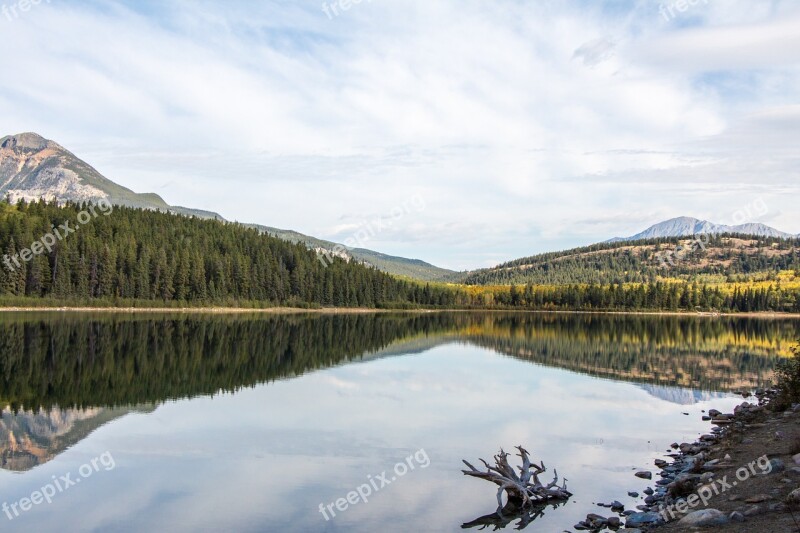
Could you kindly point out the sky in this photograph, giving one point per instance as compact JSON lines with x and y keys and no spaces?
{"x":478,"y":131}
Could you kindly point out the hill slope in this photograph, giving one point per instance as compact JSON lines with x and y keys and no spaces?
{"x":729,"y":256}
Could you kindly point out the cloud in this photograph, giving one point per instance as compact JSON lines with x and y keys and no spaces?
{"x":274,"y":113}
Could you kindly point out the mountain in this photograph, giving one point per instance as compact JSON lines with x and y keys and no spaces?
{"x":688,"y":226}
{"x":32,"y":167}
{"x":672,"y":248}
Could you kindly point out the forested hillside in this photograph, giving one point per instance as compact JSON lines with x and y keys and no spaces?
{"x":132,"y":256}
{"x":154,"y":256}
{"x":727,"y":257}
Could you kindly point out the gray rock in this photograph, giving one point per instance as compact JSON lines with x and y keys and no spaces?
{"x":793,"y":498}
{"x":704,"y":518}
{"x":643,"y":519}
{"x":633,"y":494}
{"x":758,"y":498}
{"x":644,"y":474}
{"x":736,"y":516}
{"x":754,"y":511}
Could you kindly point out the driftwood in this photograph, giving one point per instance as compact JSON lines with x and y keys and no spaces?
{"x":523,"y":490}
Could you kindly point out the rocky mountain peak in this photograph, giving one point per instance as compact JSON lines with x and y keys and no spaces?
{"x":26,"y":142}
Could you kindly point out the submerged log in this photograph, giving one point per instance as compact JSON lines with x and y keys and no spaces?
{"x":523,"y":490}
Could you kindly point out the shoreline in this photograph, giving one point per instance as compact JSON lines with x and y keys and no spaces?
{"x":736,"y":479}
{"x":210,"y":310}
{"x":366,"y":310}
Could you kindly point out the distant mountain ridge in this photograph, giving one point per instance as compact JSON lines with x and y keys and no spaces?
{"x":688,"y":226}
{"x":32,"y":167}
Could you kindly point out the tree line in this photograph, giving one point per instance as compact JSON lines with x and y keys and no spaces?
{"x":658,"y":295}
{"x":146,"y":257}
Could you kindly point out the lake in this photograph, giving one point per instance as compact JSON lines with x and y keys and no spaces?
{"x":173,"y":423}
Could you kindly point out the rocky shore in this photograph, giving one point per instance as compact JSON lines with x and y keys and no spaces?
{"x":743,"y":476}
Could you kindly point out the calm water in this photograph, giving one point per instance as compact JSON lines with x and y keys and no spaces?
{"x":249,"y":423}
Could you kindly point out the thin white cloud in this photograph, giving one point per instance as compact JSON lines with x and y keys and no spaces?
{"x":517,"y":121}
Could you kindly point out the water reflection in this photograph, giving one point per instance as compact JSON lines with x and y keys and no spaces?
{"x":81,"y":371}
{"x":227,"y":427}
{"x":520,"y":519}
{"x":111,"y":360}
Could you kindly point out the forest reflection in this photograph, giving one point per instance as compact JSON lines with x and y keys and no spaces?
{"x":63,"y":376}
{"x":114,"y":360}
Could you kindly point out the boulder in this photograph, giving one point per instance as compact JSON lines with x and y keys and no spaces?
{"x":704,"y":518}
{"x":643,"y":519}
{"x":793,"y":499}
{"x":644,"y":474}
{"x":755,"y":510}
